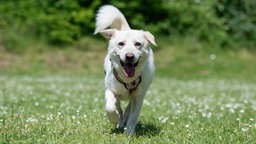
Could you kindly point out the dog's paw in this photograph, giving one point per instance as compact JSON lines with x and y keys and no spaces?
{"x":120,"y":125}
{"x":129,"y":131}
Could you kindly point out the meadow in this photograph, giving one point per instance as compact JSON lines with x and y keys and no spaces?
{"x":200,"y":94}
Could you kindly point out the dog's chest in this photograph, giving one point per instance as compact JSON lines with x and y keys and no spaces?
{"x":128,"y":95}
{"x":123,"y":93}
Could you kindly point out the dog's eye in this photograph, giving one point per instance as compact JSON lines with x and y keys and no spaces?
{"x":121,"y":43}
{"x":137,"y":44}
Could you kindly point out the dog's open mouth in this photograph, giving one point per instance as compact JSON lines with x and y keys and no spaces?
{"x":129,"y":68}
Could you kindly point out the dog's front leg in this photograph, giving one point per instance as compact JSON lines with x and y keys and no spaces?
{"x":127,"y":113}
{"x":135,"y":108}
{"x":113,"y":109}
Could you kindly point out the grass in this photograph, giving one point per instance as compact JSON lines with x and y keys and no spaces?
{"x":182,"y":58}
{"x":201,"y":94}
{"x":62,"y":109}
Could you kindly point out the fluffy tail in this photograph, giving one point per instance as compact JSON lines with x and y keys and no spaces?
{"x":110,"y":16}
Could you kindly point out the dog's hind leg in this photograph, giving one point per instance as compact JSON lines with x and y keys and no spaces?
{"x":113,"y":109}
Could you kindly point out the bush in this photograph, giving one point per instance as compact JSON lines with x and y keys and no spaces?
{"x":239,"y":19}
{"x":191,"y":17}
{"x":57,"y":21}
{"x":64,"y":21}
{"x":12,"y":42}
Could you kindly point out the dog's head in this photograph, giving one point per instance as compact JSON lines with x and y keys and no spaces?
{"x":128,"y":49}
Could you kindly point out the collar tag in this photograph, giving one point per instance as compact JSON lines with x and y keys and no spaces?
{"x":133,"y":84}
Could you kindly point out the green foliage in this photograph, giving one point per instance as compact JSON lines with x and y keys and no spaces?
{"x":65,"y":21}
{"x":12,"y":42}
{"x":208,"y":20}
{"x":195,"y":18}
{"x":240,"y":19}
{"x":56,"y":21}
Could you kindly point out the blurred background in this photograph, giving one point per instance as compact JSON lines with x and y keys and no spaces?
{"x":196,"y":38}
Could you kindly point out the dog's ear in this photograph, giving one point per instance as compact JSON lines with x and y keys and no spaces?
{"x":150,"y":37}
{"x":108,"y":33}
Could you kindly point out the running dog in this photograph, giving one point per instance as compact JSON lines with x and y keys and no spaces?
{"x":129,"y":67}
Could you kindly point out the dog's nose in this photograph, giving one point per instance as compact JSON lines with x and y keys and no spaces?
{"x":129,"y":56}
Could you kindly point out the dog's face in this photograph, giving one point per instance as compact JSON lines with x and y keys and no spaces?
{"x":128,"y":49}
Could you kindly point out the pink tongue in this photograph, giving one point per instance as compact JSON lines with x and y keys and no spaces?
{"x":128,"y":70}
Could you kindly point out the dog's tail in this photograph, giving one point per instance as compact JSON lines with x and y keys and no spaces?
{"x":110,"y":16}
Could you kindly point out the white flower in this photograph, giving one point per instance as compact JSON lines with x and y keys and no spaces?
{"x":36,"y":103}
{"x":245,"y":129}
{"x":164,"y":120}
{"x":50,"y":117}
{"x":231,"y":110}
{"x":32,"y":120}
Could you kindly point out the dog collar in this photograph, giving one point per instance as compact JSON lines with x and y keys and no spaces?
{"x":130,"y":86}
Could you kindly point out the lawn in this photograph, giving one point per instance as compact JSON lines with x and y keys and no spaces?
{"x":199,"y":95}
{"x":62,"y":109}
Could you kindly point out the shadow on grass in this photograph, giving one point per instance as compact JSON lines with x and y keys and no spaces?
{"x":148,"y":129}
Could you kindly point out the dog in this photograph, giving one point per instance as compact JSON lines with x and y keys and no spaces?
{"x":129,"y":67}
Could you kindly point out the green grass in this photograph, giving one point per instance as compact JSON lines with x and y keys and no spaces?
{"x":182,"y":58}
{"x":70,"y":109}
{"x":201,"y":94}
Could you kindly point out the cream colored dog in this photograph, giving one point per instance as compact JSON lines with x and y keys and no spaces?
{"x":129,"y":66}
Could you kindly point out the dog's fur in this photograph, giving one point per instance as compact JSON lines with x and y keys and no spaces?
{"x":129,"y":66}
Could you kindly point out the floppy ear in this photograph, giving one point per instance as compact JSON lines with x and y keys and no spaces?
{"x":108,"y":33}
{"x":150,"y":37}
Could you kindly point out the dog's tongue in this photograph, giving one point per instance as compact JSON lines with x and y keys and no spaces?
{"x":129,"y":69}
